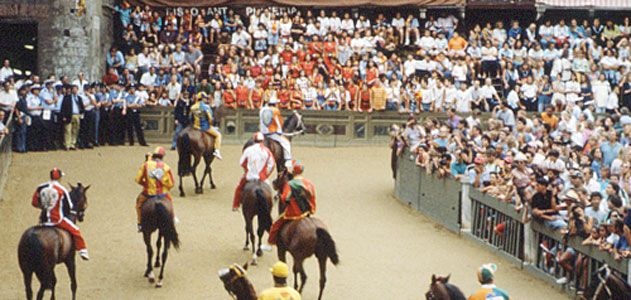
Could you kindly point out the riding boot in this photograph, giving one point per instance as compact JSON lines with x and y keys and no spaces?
{"x":140,"y":200}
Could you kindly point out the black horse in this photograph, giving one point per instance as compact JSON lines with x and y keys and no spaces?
{"x":607,"y":285}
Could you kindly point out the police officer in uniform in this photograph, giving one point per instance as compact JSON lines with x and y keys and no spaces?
{"x":105,"y":107}
{"x":134,"y":104}
{"x":86,"y":132}
{"x":35,"y":124}
{"x":49,"y":103}
{"x":57,"y":125}
{"x":118,"y":97}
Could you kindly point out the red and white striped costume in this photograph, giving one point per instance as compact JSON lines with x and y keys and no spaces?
{"x":258,"y":163}
{"x":54,"y":201}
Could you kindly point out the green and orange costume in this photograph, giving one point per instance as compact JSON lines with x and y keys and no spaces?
{"x":299,"y":197}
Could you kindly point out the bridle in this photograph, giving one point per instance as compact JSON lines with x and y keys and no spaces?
{"x":299,"y":124}
{"x":430,"y":295}
{"x":603,"y":281}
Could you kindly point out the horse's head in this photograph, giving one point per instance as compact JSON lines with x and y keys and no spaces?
{"x":437,"y":289}
{"x":79,"y":200}
{"x":294,"y":124}
{"x":235,"y":281}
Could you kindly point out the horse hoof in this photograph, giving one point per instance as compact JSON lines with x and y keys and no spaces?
{"x":212,"y":187}
{"x":159,"y":284}
{"x":246,"y":248}
{"x":182,"y":195}
{"x":259,"y":253}
{"x":254,"y":263}
{"x":199,"y":191}
{"x":157,"y":265}
{"x":150,"y":277}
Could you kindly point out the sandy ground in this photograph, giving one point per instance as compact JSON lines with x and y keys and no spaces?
{"x":385,"y":248}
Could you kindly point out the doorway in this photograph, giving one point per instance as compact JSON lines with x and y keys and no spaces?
{"x":19,"y":46}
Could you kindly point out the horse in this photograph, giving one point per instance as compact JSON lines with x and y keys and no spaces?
{"x":43,"y":247}
{"x":304,"y":238}
{"x":441,"y":289}
{"x":292,"y":126}
{"x":236,"y":283}
{"x":607,"y":286}
{"x":256,"y":199}
{"x":194,"y":143}
{"x":157,"y":214}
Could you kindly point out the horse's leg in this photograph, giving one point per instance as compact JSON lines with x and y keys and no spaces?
{"x":322,"y":264}
{"x":282,"y":252}
{"x":201,"y":183}
{"x":43,"y":275}
{"x":248,"y":228}
{"x":198,"y":190}
{"x":149,"y":271}
{"x":70,"y":265}
{"x":260,"y":233}
{"x":28,"y":278}
{"x":210,"y":174}
{"x":158,"y":245}
{"x":181,"y":188}
{"x":53,"y":282}
{"x":165,"y":253}
{"x":298,"y":269}
{"x":42,"y":288}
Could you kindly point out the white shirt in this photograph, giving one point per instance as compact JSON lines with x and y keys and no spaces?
{"x":529,"y":90}
{"x":144,"y":60}
{"x":463,"y":101}
{"x":258,"y":161}
{"x":487,"y":91}
{"x":348,"y":25}
{"x":8,"y":98}
{"x":5,"y":73}
{"x":147,"y":79}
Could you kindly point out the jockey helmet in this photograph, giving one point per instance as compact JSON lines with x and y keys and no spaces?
{"x":202,"y":95}
{"x":258,"y":137}
{"x":56,"y":174}
{"x":159,"y":151}
{"x":296,"y":167}
{"x":280,"y":269}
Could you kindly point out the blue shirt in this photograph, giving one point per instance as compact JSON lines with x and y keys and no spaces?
{"x":610,"y":152}
{"x":46,"y":95}
{"x":114,"y":94}
{"x":75,"y":103}
{"x":458,"y":168}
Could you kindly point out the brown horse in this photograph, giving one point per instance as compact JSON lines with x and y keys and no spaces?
{"x":236,"y":283}
{"x":157,"y":214}
{"x":256,"y":199}
{"x":43,"y":247}
{"x":607,"y":285}
{"x":441,"y":289}
{"x":304,"y":238}
{"x":292,"y":126}
{"x":196,"y":144}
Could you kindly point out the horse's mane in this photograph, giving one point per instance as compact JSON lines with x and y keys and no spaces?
{"x":454,"y":292}
{"x":290,"y":121}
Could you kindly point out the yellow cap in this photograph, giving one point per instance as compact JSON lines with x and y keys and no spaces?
{"x":280,"y":269}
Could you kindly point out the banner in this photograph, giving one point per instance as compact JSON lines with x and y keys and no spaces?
{"x":317,"y":3}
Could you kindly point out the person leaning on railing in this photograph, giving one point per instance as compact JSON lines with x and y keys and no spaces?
{"x":544,"y":207}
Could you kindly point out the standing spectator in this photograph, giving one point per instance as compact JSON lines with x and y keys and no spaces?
{"x":117,"y":122}
{"x":377,"y":97}
{"x":8,"y":98}
{"x":181,"y":112}
{"x":71,"y":111}
{"x":134,"y":103}
{"x":6,"y":71}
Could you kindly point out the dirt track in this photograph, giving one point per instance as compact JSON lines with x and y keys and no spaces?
{"x":385,"y":248}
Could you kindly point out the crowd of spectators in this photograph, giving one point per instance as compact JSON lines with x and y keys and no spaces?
{"x":322,"y":59}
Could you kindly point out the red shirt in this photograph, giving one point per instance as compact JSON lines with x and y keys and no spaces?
{"x":256,"y":70}
{"x":308,"y":67}
{"x":315,"y":48}
{"x":242,"y":95}
{"x":53,"y":195}
{"x":287,"y":55}
{"x":283,"y":96}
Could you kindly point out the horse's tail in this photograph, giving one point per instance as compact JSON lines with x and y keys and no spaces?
{"x":263,"y":211}
{"x":166,"y":225}
{"x":326,"y":244}
{"x":30,"y":251}
{"x":184,"y":151}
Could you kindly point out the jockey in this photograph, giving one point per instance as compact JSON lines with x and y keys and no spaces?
{"x":156,"y":179}
{"x":299,"y":197}
{"x":54,"y":201}
{"x":203,"y":120}
{"x":258,"y":163}
{"x":271,"y":125}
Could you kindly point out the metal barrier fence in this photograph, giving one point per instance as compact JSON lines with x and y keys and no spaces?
{"x":5,"y":155}
{"x":438,"y":198}
{"x":324,"y":128}
{"x":580,"y":271}
{"x":498,"y":226}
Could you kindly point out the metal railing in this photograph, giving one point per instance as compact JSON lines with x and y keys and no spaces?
{"x":6,"y":142}
{"x":497,"y":224}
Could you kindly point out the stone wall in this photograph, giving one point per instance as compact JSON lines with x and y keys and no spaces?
{"x":67,"y":43}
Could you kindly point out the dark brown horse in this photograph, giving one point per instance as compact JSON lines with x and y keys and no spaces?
{"x":256,"y":199}
{"x":157,"y":214}
{"x":304,"y":238}
{"x":607,"y":285}
{"x":292,"y":126}
{"x":441,"y":289}
{"x":195,"y":144}
{"x":43,"y":247}
{"x":236,"y":282}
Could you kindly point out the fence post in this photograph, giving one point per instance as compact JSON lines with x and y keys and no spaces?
{"x":530,"y":244}
{"x":465,"y":211}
